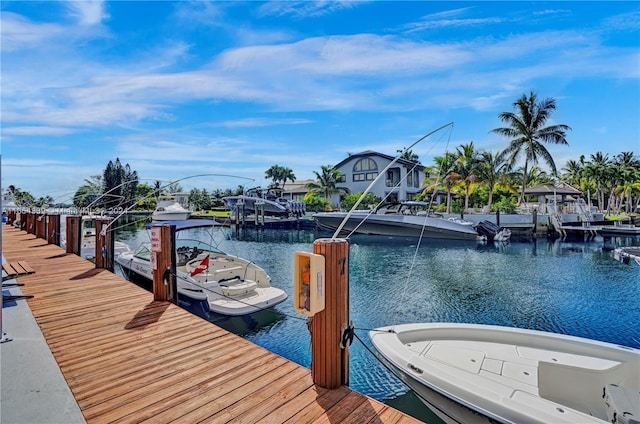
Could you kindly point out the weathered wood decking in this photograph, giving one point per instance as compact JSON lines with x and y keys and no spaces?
{"x":129,"y":359}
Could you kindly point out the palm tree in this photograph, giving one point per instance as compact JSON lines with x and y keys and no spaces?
{"x":286,"y":175}
{"x":442,"y":174}
{"x":573,"y":171}
{"x":527,"y":133}
{"x":326,"y":182}
{"x":273,"y":173}
{"x":596,"y":169}
{"x":466,"y":166}
{"x":408,"y":155}
{"x":492,"y":168}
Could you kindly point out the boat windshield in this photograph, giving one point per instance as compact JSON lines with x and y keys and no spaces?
{"x":186,"y":250}
{"x":143,"y":251}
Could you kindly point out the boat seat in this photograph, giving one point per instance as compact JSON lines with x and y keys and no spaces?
{"x":577,"y":387}
{"x":546,"y":410}
{"x":220,"y":274}
{"x":237,"y":287}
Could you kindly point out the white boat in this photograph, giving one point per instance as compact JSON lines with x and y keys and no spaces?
{"x":469,"y":373}
{"x":229,"y":284}
{"x":169,"y":209}
{"x":269,"y":201}
{"x":627,"y":254}
{"x":404,"y":219}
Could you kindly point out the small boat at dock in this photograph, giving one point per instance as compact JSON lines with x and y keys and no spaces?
{"x":169,"y":209}
{"x":230,"y":285}
{"x":481,"y":373}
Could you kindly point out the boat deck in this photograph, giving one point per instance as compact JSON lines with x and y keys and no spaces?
{"x":128,"y":358}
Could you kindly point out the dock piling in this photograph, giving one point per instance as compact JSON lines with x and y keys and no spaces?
{"x":163,"y":262}
{"x":329,"y":361}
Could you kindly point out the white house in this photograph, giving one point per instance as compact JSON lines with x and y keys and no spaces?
{"x":402,"y":180}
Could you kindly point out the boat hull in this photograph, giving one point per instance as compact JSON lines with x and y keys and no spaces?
{"x":471,"y":372}
{"x":396,"y":225}
{"x":170,"y":216}
{"x":252,"y":204}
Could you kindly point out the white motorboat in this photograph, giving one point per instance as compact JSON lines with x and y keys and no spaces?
{"x":169,"y":209}
{"x":269,"y":202}
{"x":229,"y":284}
{"x":481,"y":373}
{"x":626,"y":254}
{"x":404,"y":219}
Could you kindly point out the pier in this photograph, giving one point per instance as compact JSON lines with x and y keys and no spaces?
{"x":128,"y":358}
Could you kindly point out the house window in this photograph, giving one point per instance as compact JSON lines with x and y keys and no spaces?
{"x":365,"y":165}
{"x":365,"y":170}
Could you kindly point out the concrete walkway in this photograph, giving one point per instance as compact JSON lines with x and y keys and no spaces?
{"x":33,"y":388}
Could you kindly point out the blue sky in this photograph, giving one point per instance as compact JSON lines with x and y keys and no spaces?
{"x":178,"y":89}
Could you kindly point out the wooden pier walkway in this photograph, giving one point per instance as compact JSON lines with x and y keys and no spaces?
{"x":129,"y":359}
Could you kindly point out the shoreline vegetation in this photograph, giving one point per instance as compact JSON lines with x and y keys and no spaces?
{"x":473,"y":179}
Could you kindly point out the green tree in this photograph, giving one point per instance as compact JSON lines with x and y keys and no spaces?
{"x":528,"y":133}
{"x":119,"y":184}
{"x":367,"y":201}
{"x":408,"y":155}
{"x":491,"y":170}
{"x":598,"y":170}
{"x":442,"y":174}
{"x":313,"y":203}
{"x":466,"y":166}
{"x":280,"y":174}
{"x":326,"y":182}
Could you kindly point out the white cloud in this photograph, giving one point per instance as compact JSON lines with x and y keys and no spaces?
{"x":87,"y":13}
{"x":303,"y":9}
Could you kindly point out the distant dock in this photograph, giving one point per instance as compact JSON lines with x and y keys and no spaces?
{"x":128,"y":358}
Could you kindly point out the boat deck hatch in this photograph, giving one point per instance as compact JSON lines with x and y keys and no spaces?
{"x":465,"y":359}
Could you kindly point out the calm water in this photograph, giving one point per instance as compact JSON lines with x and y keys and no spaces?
{"x":559,"y":286}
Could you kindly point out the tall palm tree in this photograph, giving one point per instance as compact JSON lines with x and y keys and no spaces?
{"x":442,"y":174}
{"x":326,"y":182}
{"x":466,"y":166}
{"x":286,"y":174}
{"x":572,"y":172}
{"x":527,"y":132}
{"x":596,"y":170}
{"x":491,"y":169}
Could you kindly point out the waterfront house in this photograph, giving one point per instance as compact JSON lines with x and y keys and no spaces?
{"x":402,"y":181}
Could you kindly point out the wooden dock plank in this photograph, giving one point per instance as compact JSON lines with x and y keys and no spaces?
{"x":127,"y":358}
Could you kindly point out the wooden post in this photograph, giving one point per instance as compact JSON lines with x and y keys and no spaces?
{"x":498,"y":217}
{"x":11,"y":217}
{"x":73,"y":234}
{"x":105,"y":244}
{"x":329,"y":362}
{"x":31,"y":227}
{"x":164,"y":269}
{"x":53,"y":229}
{"x":41,"y":231}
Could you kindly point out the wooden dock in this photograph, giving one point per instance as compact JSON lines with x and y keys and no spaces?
{"x":129,"y":359}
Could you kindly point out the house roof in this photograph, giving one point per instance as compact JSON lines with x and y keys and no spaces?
{"x":369,"y":153}
{"x":546,"y":189}
{"x":297,"y":186}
